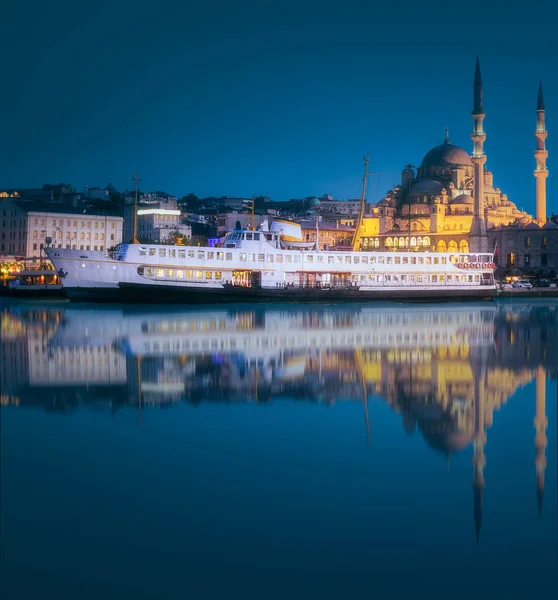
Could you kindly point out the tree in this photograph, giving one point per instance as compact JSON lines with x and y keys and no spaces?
{"x":190,"y":201}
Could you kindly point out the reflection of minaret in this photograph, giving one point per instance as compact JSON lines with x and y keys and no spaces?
{"x":541,"y":154}
{"x":477,"y":238}
{"x":479,"y":441}
{"x":541,"y":423}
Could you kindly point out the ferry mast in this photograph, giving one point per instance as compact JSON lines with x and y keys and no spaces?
{"x":356,"y":236}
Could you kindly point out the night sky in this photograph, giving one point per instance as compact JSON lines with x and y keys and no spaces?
{"x":277,"y":98}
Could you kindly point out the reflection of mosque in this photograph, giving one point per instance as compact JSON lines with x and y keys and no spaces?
{"x":445,"y":371}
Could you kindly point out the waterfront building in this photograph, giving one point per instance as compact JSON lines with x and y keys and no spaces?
{"x":25,"y":227}
{"x":450,"y":203}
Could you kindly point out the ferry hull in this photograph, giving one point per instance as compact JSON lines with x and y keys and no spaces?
{"x":167,"y":294}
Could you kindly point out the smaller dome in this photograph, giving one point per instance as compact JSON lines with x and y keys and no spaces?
{"x":313,"y":201}
{"x":532,"y":226}
{"x":463,"y":199}
{"x":550,"y":225}
{"x":427,"y":186}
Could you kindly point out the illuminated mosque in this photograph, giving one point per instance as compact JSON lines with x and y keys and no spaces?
{"x":450,"y":203}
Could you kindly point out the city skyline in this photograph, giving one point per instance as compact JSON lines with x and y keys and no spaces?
{"x":265,"y":102}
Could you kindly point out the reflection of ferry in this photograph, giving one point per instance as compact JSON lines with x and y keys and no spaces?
{"x":264,"y":265}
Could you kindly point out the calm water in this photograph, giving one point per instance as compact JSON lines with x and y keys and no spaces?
{"x":280,"y":451}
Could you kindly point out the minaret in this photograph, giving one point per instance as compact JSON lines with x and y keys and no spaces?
{"x":541,"y":423}
{"x":541,"y":154}
{"x":478,"y":242}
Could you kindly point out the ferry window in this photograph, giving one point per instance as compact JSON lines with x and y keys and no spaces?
{"x":199,"y":274}
{"x":279,"y":258}
{"x":397,"y":260}
{"x":443,"y":260}
{"x":365,"y":260}
{"x":338,"y":259}
{"x":372,"y":278}
{"x":348,"y":259}
{"x":420,"y":260}
{"x":208,"y":275}
{"x":309,"y":258}
{"x":191,"y":254}
{"x":248,"y":236}
{"x":418,"y":278}
{"x":296,"y":258}
{"x":403,"y":278}
{"x":160,"y":272}
{"x":270,"y":258}
{"x":441,"y":278}
{"x":330,"y":260}
{"x":162,"y":252}
{"x":252,"y":257}
{"x":428,"y":260}
{"x":242,"y":256}
{"x":470,"y":278}
{"x":151,"y":251}
{"x":201,"y":254}
{"x":434,"y":278}
{"x":150,"y":272}
{"x":388,"y":260}
{"x":321,"y":258}
{"x":289,"y":258}
{"x":436,"y":260}
{"x":229,"y":255}
{"x":220,"y":255}
{"x":170,"y":272}
{"x":477,"y":278}
{"x":413,"y":260}
{"x":182,"y":254}
{"x":380,"y":260}
{"x":405,"y":260}
{"x":218,"y":275}
{"x":172,"y":252}
{"x":261,"y":257}
{"x":211,"y":255}
{"x":388,"y":278}
{"x":463,"y":278}
{"x":140,"y":270}
{"x":189,"y":274}
{"x":257,"y":237}
{"x":379,"y":278}
{"x":180,"y":274}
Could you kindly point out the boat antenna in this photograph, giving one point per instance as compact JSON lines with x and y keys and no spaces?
{"x":136,"y":179}
{"x":253,"y":207}
{"x":356,"y":236}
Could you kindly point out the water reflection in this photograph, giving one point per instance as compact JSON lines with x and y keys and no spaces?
{"x":446,"y":370}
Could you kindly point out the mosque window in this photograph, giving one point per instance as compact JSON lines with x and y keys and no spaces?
{"x":527,"y":260}
{"x":543,"y":242}
{"x":511,"y":259}
{"x":527,"y":242}
{"x":389,"y":242}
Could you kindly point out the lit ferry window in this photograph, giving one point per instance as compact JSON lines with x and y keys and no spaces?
{"x":443,"y":260}
{"x":180,"y":274}
{"x":419,"y":279}
{"x":405,"y":260}
{"x":162,"y":252}
{"x":217,"y":274}
{"x":190,"y":254}
{"x":434,"y":278}
{"x":261,"y":257}
{"x":142,"y":251}
{"x":279,"y":258}
{"x":160,"y":272}
{"x":150,"y":272}
{"x":220,"y":255}
{"x":309,"y":258}
{"x":182,"y":254}
{"x":170,"y":272}
{"x":413,"y":260}
{"x":388,"y":260}
{"x":201,"y":255}
{"x":365,"y":260}
{"x":242,"y":256}
{"x":208,"y":275}
{"x":397,"y":260}
{"x":252,"y":257}
{"x":172,"y":252}
{"x":211,"y":255}
{"x":199,"y":274}
{"x":436,"y":260}
{"x":189,"y":274}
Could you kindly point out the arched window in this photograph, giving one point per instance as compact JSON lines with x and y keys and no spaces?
{"x":543,"y":242}
{"x":452,"y":246}
{"x":441,"y":247}
{"x":376,"y":242}
{"x":402,"y":242}
{"x":527,"y":242}
{"x":426,"y":241}
{"x":419,"y":241}
{"x":463,"y":246}
{"x":389,"y":242}
{"x":413,"y":242}
{"x":511,"y":259}
{"x":396,"y":242}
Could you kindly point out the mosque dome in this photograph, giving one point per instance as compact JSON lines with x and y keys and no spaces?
{"x":447,"y":441}
{"x":532,"y":226}
{"x":463,"y":199}
{"x":550,"y":225}
{"x":446,"y":155}
{"x":427,"y":186}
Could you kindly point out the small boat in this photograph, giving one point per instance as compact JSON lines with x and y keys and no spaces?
{"x":34,"y":284}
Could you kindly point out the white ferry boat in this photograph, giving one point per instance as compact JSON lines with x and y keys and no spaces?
{"x":269,"y":265}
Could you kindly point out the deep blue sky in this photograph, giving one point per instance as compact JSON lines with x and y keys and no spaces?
{"x":282,"y":98}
